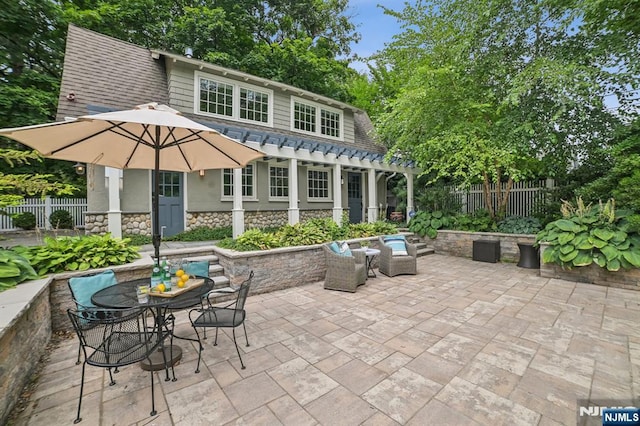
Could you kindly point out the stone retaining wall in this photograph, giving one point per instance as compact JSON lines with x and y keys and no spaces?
{"x":460,"y":243}
{"x":592,"y":274}
{"x":25,"y":330}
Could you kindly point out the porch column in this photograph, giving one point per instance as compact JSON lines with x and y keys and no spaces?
{"x":409,"y":177}
{"x":114,"y":214}
{"x":372,"y":209}
{"x":237,"y":214}
{"x":294,"y":210}
{"x":337,"y":194}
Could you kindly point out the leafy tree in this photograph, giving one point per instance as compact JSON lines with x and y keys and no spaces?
{"x":13,"y":187}
{"x":494,"y":91}
{"x":291,"y":41}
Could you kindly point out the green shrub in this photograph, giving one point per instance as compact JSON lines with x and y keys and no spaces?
{"x":137,"y":239}
{"x":78,"y":253}
{"x":478,"y":221}
{"x":61,"y":219}
{"x":314,"y":231}
{"x":202,"y":233}
{"x":586,"y":235}
{"x":24,"y":220}
{"x":14,"y":269}
{"x":519,"y":225}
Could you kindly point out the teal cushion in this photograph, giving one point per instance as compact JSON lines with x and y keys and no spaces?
{"x":344,"y":249}
{"x":398,"y":247}
{"x":334,"y":247}
{"x":199,"y":268}
{"x":340,"y":247}
{"x":394,"y":237}
{"x":85,"y":287}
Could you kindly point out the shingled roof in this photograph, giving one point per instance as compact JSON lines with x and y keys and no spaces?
{"x":101,"y":70}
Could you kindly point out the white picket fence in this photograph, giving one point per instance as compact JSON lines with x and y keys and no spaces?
{"x":522,"y":198}
{"x":42,"y":209}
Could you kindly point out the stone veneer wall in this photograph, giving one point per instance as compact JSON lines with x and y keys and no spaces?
{"x":592,"y":274}
{"x":460,"y":243}
{"x":25,"y":330}
{"x":140,"y":223}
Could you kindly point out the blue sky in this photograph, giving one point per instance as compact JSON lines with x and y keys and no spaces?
{"x":376,"y":27}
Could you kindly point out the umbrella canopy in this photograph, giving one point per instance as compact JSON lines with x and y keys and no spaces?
{"x":130,"y":140}
{"x":150,"y":136}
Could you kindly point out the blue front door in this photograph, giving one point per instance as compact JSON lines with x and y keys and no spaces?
{"x":354,"y":196}
{"x":171,"y":204}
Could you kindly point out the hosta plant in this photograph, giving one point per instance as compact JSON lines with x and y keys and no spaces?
{"x":14,"y":269}
{"x":588,"y":234}
{"x":428,"y":223}
{"x":78,"y":253}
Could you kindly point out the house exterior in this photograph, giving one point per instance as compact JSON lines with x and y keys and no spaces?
{"x":320,"y":158}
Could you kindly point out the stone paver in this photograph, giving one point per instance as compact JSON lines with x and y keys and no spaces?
{"x":460,"y":343}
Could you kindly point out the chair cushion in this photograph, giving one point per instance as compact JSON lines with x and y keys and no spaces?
{"x":341,"y":248}
{"x":85,"y":287}
{"x":198,"y":268}
{"x":397,"y":243}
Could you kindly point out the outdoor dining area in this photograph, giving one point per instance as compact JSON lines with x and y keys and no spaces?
{"x":458,"y":342}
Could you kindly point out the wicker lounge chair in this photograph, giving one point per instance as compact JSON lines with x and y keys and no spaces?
{"x":391,"y":265}
{"x":344,"y":273}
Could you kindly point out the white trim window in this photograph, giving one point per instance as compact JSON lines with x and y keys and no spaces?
{"x":278,"y":183}
{"x":316,"y":119}
{"x":248,"y":183}
{"x":221,"y":97}
{"x":319,"y":188}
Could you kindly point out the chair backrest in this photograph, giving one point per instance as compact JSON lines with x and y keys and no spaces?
{"x":82,"y":288}
{"x":243,"y":292}
{"x":116,"y":337}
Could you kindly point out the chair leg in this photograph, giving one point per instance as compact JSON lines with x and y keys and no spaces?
{"x":78,"y":418}
{"x":153,"y":399}
{"x":237,"y":348}
{"x":79,"y":350}
{"x":215,"y":342}
{"x":112,"y":382}
{"x":245,"y":333}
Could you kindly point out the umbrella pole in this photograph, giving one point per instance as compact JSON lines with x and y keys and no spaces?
{"x":155,"y":208}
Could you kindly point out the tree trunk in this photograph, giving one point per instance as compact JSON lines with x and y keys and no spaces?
{"x":486,"y":189}
{"x":504,"y":200}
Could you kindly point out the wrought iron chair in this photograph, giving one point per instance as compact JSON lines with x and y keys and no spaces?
{"x":82,"y":288}
{"x":114,"y":338}
{"x":227,"y":316}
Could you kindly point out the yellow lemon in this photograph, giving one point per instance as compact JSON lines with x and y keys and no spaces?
{"x":161,"y":288}
{"x":181,"y":283}
{"x":179,"y":273}
{"x":184,"y":278}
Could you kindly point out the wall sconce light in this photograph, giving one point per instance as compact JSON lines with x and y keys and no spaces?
{"x":79,"y":168}
{"x":201,"y":173}
{"x":341,"y":181}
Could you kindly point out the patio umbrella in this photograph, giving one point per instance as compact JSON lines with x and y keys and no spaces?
{"x":150,"y":136}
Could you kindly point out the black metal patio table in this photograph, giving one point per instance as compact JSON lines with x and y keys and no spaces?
{"x":123,"y":295}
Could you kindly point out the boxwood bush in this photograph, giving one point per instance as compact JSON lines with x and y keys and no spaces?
{"x":24,"y":220}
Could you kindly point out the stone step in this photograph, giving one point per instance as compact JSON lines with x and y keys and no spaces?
{"x":425,"y":251}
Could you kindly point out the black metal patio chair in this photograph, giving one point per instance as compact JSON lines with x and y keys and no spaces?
{"x":112,"y":338}
{"x":227,"y":316}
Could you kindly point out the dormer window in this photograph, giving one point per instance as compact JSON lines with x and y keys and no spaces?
{"x":220,"y":97}
{"x":316,"y":119}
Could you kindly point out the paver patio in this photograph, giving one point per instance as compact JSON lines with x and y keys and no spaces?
{"x":461,"y":343}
